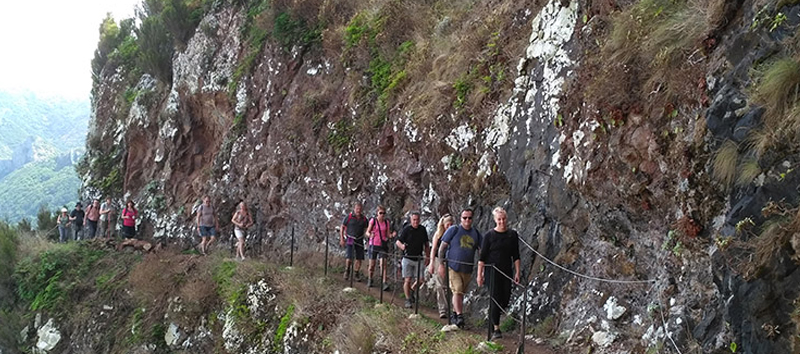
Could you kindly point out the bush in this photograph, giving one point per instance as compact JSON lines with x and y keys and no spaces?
{"x":46,"y":223}
{"x":155,"y":48}
{"x":8,"y":257}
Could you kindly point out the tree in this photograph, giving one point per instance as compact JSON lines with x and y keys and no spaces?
{"x":46,"y":223}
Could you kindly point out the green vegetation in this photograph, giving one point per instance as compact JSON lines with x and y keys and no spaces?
{"x":776,"y":88}
{"x":37,"y":185}
{"x":339,"y":137}
{"x":282,"y":327}
{"x":725,"y":162}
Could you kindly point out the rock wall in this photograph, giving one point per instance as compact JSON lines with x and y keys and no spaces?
{"x":634,"y":203}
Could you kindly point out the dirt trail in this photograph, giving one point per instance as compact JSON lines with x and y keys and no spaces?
{"x":395,"y":297}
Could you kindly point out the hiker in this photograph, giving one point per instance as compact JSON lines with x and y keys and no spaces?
{"x":413,"y":239}
{"x":91,"y":218}
{"x":207,"y":224}
{"x":353,"y":225}
{"x":107,"y":218}
{"x":500,"y":248}
{"x":242,"y":221}
{"x":458,"y":245}
{"x":76,"y":218}
{"x":63,"y":225}
{"x":379,"y":232}
{"x":441,"y":296}
{"x":129,"y":214}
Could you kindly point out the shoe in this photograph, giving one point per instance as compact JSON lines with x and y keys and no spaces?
{"x":497,"y":334}
{"x":443,"y":315}
{"x":346,"y":275}
{"x":386,"y":287}
{"x":453,"y":318}
{"x":407,"y":304}
{"x":460,"y":321}
{"x":359,"y":276}
{"x":369,"y":283}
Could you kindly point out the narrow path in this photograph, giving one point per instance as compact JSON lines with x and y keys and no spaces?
{"x":395,"y":297}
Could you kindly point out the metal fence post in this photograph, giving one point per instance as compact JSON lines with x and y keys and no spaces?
{"x":382,"y":264}
{"x":524,"y":312}
{"x":490,"y":322}
{"x":326,"y":253}
{"x":419,"y":284}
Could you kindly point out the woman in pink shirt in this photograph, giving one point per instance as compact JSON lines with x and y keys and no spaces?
{"x":378,"y":231}
{"x":129,"y":214}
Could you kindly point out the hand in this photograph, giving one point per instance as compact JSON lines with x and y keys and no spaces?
{"x":516,"y":278}
{"x":341,"y":242}
{"x":430,"y":269}
{"x":441,"y":272}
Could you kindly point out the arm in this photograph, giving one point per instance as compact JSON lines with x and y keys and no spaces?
{"x":482,"y":257}
{"x":442,"y":252}
{"x":249,"y":220}
{"x":428,"y":260}
{"x":369,"y":229}
{"x":433,"y":255}
{"x":197,"y":220}
{"x":233,"y":219}
{"x":516,"y":271}
{"x":480,"y":273}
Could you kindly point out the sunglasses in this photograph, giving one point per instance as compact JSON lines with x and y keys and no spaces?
{"x":466,"y":218}
{"x":381,"y":212}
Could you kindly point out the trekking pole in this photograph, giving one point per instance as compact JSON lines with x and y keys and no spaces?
{"x":383,"y":265}
{"x":326,"y":253}
{"x":416,"y":292}
{"x":352,"y":269}
{"x":291,"y":252}
{"x":522,"y":329}
{"x":491,"y":308}
{"x":446,"y":286}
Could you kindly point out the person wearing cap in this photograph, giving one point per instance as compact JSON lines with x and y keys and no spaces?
{"x":63,"y":225}
{"x":76,"y":217}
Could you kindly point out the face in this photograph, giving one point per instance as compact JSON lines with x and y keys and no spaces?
{"x":500,"y":219}
{"x":206,"y":200}
{"x":448,"y":223}
{"x":357,"y":209}
{"x":381,"y":214}
{"x":96,"y":203}
{"x":415,"y":221}
{"x":108,"y":200}
{"x":130,"y":205}
{"x":466,"y":220}
{"x":241,"y":206}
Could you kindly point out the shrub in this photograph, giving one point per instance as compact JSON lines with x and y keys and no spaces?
{"x":8,"y":258}
{"x":155,"y":48}
{"x":46,"y":222}
{"x":777,"y":88}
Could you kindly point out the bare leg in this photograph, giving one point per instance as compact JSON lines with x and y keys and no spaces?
{"x":203,"y":245}
{"x":240,"y":248}
{"x":458,"y":303}
{"x":407,"y":288}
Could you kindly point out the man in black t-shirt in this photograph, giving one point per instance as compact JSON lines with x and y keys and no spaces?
{"x":351,"y":235}
{"x":76,"y":216}
{"x":413,"y":241}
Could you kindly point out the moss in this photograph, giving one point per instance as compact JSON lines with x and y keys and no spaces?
{"x":282,"y":327}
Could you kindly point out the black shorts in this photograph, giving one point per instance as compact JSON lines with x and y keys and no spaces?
{"x":356,"y":249}
{"x":376,"y":252}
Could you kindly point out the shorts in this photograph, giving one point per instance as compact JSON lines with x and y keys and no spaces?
{"x":206,"y":231}
{"x":411,"y":267}
{"x":458,"y":281}
{"x":239,"y":233}
{"x":376,"y":252}
{"x":356,"y":249}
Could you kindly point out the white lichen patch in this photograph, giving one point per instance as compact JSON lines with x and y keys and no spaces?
{"x":460,"y":138}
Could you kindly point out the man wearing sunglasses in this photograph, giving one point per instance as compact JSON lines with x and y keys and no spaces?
{"x":458,"y":246}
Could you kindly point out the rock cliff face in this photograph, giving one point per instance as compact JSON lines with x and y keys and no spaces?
{"x":617,"y":193}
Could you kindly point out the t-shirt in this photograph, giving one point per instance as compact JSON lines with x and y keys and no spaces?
{"x":462,"y":245}
{"x":92,"y":213}
{"x":78,"y":215}
{"x":103,"y":207}
{"x":500,"y":249}
{"x":415,"y":240}
{"x":131,"y":220}
{"x":206,"y":215}
{"x":356,"y":225}
{"x":380,"y":232}
{"x":63,"y":220}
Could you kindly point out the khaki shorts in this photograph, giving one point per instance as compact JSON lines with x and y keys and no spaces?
{"x":458,"y":281}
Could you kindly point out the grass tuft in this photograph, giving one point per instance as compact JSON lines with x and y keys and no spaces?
{"x":725,"y":161}
{"x":749,"y":169}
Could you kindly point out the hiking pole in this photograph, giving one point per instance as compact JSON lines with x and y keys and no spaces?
{"x":326,"y":253}
{"x":447,"y":295}
{"x":416,"y":291}
{"x":291,"y":252}
{"x":382,"y":274}
{"x":524,"y":312}
{"x":491,"y":307}
{"x":352,"y":269}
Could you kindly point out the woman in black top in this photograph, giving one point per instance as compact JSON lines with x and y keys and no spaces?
{"x":500,"y":249}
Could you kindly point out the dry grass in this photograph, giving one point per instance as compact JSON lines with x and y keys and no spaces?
{"x":777,"y":89}
{"x":749,"y":169}
{"x":725,"y":161}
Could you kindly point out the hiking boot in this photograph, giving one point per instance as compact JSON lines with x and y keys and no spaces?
{"x":407,"y":304}
{"x":346,"y":275}
{"x":497,"y":334}
{"x":442,"y":315}
{"x":359,"y":276}
{"x":460,"y":321}
{"x":369,"y":283}
{"x":386,"y":287}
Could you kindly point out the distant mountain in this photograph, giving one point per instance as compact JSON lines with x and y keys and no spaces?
{"x":59,"y":121}
{"x":40,"y":139}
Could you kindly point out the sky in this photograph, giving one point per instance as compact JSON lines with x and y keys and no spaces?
{"x":47,"y":45}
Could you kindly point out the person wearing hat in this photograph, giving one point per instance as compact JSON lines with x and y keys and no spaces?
{"x":76,"y":217}
{"x":63,"y":225}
